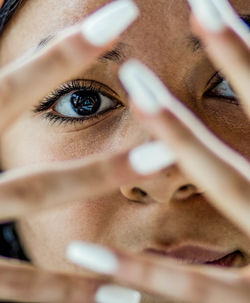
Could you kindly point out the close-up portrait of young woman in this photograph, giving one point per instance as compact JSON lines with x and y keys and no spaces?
{"x":124,"y":151}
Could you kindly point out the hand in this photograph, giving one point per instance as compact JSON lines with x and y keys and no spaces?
{"x":31,"y":189}
{"x":221,"y":172}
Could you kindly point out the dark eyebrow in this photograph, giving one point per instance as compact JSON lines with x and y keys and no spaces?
{"x":116,"y":55}
{"x":195,"y":43}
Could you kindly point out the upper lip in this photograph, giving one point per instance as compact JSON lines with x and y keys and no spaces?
{"x":191,"y":253}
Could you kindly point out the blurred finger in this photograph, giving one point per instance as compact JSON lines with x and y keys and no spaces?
{"x":161,"y":276}
{"x":25,"y":190}
{"x":227,"y":43}
{"x":23,"y":282}
{"x":222,"y":173}
{"x":71,"y":53}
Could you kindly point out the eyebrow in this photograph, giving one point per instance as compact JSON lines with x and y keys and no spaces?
{"x":196,"y":44}
{"x":116,"y":55}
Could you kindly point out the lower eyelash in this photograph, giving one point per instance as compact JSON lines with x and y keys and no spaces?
{"x":56,"y":119}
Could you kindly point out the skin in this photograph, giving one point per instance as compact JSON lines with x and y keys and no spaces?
{"x":165,"y":217}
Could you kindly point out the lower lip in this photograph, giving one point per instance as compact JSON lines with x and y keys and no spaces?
{"x":232,"y":260}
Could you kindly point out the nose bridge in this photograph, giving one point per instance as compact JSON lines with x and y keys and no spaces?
{"x":163,"y":187}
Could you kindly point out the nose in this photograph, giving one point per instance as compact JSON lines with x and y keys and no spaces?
{"x":164,"y":187}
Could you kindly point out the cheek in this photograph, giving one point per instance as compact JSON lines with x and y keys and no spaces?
{"x":229,"y":123}
{"x":111,"y":221}
{"x":32,"y":141}
{"x":47,"y":235}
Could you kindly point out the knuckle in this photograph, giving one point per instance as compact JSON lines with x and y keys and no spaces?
{"x":28,"y":191}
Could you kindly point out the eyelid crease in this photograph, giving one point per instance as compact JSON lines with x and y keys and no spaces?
{"x":217,"y":75}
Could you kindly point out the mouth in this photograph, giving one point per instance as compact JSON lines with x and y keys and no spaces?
{"x":234,"y":259}
{"x":199,"y":255}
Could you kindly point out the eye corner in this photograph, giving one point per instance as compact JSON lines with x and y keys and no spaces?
{"x":220,"y":89}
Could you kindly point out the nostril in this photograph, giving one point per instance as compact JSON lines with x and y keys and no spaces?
{"x":186,"y":188}
{"x":138,"y":192}
{"x":185,"y":191}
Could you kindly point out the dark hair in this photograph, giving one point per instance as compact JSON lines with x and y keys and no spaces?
{"x":7,"y":11}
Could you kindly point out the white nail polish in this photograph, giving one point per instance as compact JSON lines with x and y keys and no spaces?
{"x":151,"y":157}
{"x":93,"y":257}
{"x":145,"y":89}
{"x":117,"y":294}
{"x":109,"y":22}
{"x":208,"y":15}
{"x":232,"y":19}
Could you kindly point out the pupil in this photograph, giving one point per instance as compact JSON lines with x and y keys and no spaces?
{"x":85,"y":103}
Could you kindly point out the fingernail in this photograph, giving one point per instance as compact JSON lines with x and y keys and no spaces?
{"x":117,"y":294}
{"x":151,"y":157}
{"x":232,"y":19}
{"x":208,"y":15}
{"x":93,"y":257}
{"x":109,"y":22}
{"x":144,"y":87}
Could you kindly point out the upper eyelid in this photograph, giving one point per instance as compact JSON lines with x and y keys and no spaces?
{"x":75,"y":85}
{"x":217,"y":75}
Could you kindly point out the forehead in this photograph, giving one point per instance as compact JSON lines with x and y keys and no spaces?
{"x":40,"y":18}
{"x":161,"y":35}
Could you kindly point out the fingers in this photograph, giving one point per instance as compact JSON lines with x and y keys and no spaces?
{"x":23,"y":282}
{"x":161,"y":276}
{"x":227,"y":46}
{"x":26,"y":190}
{"x":71,"y":53}
{"x":222,"y":173}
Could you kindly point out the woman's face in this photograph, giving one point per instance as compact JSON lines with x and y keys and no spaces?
{"x":161,"y":213}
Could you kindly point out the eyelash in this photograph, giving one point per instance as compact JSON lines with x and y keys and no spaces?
{"x":212,"y":84}
{"x":66,"y":88}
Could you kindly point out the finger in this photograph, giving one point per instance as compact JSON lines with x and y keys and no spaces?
{"x":23,"y":282}
{"x":26,"y":190}
{"x":71,"y":53}
{"x":222,"y":173}
{"x":162,"y":276}
{"x":227,"y":45}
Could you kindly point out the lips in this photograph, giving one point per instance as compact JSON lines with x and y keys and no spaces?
{"x":231,"y":260}
{"x":199,"y":255}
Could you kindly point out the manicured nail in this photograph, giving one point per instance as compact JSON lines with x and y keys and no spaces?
{"x":151,"y":157}
{"x":117,"y":294}
{"x":109,"y":22}
{"x":232,"y":19}
{"x":145,"y":89}
{"x":93,"y":257}
{"x":208,"y":15}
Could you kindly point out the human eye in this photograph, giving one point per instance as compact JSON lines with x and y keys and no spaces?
{"x":219,"y":88}
{"x":78,"y":101}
